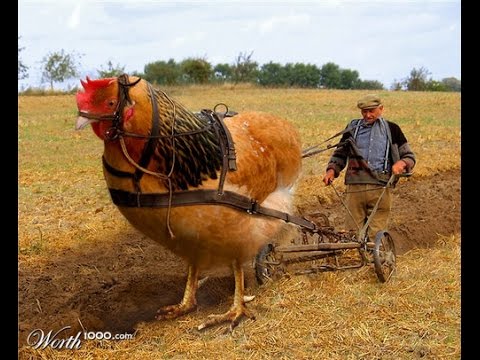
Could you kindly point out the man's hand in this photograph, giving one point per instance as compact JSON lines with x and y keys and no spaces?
{"x":329,"y":176}
{"x":399,"y":167}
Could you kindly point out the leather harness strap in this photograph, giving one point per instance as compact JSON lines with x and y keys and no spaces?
{"x":226,"y":146}
{"x":149,"y":146}
{"x":203,"y":197}
{"x":190,"y":197}
{"x":115,"y":172}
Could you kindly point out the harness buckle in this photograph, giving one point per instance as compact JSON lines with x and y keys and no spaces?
{"x":254,"y":207}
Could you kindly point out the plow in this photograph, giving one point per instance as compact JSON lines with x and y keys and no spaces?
{"x":322,"y":248}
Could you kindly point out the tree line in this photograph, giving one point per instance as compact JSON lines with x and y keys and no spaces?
{"x":59,"y":66}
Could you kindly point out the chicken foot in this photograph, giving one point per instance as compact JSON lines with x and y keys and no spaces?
{"x":188,"y":303}
{"x":238,"y":310}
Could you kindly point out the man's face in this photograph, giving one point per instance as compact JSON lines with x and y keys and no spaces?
{"x":371,"y":115}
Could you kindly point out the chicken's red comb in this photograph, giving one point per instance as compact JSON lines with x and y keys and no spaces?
{"x":92,"y":85}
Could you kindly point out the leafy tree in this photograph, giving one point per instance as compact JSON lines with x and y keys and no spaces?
{"x":302,"y":75}
{"x":22,"y":68}
{"x":223,"y":72}
{"x":111,"y":71}
{"x":417,"y":81}
{"x":434,"y":85}
{"x":196,"y":70}
{"x":452,"y":84}
{"x":330,"y":76}
{"x":162,"y":72}
{"x":245,"y":69}
{"x":271,"y":74}
{"x":369,"y":85}
{"x":349,"y":79}
{"x":59,"y":66}
{"x":397,"y":85}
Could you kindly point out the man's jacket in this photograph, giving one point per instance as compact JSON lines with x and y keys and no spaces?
{"x":358,"y":171}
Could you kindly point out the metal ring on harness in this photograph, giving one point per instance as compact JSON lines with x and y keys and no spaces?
{"x":221,"y":104}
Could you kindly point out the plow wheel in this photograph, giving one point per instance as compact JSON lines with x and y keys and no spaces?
{"x":266,"y":264}
{"x":384,"y":256}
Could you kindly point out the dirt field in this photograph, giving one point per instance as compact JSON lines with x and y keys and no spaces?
{"x":116,"y":285}
{"x":422,"y":209}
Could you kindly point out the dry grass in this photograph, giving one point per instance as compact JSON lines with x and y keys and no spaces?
{"x":341,"y":315}
{"x":63,"y":203}
{"x":60,"y":175}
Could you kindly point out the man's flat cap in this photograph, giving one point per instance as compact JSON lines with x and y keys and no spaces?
{"x":370,"y":101}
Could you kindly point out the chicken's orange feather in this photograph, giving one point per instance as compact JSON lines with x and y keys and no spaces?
{"x":268,"y":159}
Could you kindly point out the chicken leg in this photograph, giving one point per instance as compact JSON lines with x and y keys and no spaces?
{"x":238,"y":309}
{"x":188,"y":303}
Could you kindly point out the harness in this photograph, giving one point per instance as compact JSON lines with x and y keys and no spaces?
{"x":178,"y":198}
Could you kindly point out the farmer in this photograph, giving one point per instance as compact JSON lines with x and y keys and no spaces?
{"x":373,"y":149}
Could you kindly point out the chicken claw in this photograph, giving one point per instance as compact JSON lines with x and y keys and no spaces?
{"x":238,"y":309}
{"x":174,"y":311}
{"x":234,"y":315}
{"x":188,"y":303}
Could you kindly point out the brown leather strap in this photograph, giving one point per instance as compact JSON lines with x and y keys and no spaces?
{"x":226,"y":146}
{"x":204,"y":197}
{"x":149,"y":147}
{"x":115,"y":172}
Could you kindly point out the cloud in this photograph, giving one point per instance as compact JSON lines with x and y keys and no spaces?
{"x":192,"y":38}
{"x":382,"y":39}
{"x":274,"y":22}
{"x":74,"y":19}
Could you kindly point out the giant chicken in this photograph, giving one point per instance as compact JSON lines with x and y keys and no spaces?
{"x":194,"y":182}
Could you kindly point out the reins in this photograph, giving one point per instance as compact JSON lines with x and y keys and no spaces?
{"x":214,"y":121}
{"x":310,"y":150}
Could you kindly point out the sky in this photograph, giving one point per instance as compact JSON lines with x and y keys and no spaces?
{"x":381,"y":39}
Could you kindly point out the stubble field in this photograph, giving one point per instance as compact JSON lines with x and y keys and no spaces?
{"x":83,"y":266}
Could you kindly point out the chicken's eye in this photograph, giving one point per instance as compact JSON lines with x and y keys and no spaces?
{"x":112,"y":103}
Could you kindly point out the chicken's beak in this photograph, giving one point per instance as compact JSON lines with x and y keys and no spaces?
{"x":82,"y":122}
